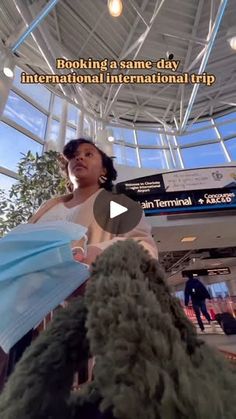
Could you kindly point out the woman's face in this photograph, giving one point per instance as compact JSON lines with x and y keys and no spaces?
{"x":86,"y":166}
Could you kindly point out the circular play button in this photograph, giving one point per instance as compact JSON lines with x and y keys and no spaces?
{"x":116,"y":213}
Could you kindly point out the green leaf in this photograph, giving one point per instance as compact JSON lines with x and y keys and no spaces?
{"x":39,"y":180}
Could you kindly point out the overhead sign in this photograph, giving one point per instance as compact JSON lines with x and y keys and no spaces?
{"x":209,"y":178}
{"x":206,"y":272}
{"x":181,"y":180}
{"x":185,"y":202}
{"x":180,"y":192}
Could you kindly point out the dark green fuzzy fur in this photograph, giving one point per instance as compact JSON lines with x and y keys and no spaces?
{"x":149,"y":362}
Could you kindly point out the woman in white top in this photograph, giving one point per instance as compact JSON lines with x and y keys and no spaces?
{"x":89,"y":171}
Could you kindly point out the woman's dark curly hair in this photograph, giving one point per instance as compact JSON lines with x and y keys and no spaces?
{"x":68,"y":154}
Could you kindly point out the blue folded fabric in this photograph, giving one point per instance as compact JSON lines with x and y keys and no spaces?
{"x":37,"y":272}
{"x":36,"y":246}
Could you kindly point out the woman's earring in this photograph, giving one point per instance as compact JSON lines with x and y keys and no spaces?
{"x":102,"y":179}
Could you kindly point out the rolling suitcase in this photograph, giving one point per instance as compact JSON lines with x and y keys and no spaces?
{"x":227,"y":322}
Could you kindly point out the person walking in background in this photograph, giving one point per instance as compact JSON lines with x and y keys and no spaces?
{"x":198,"y":293}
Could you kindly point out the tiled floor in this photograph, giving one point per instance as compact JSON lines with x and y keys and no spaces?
{"x":215,"y":336}
{"x":224,"y":342}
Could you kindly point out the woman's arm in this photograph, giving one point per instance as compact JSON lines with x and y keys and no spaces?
{"x":141,"y":233}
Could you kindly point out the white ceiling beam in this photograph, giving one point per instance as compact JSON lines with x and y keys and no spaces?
{"x":228,"y":85}
{"x":156,"y":95}
{"x":56,"y":50}
{"x":205,"y":58}
{"x":158,"y":6}
{"x":167,"y":110}
{"x":159,"y":120}
{"x":153,"y":97}
{"x":228,"y":102}
{"x":86,"y":27}
{"x":136,"y":115}
{"x":42,"y":45}
{"x":16,"y":34}
{"x":27,"y":18}
{"x":109,"y":90}
{"x":92,"y":32}
{"x":196,"y":60}
{"x":34,"y":23}
{"x":187,"y":59}
{"x":57,"y":25}
{"x":161,"y":30}
{"x":139,"y":11}
{"x":211,"y":20}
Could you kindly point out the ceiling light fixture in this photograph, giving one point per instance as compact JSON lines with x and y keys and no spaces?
{"x":109,"y":134}
{"x":115,"y":7}
{"x":8,"y":63}
{"x":231,"y":37}
{"x":8,"y":72}
{"x":111,"y":139}
{"x":188,"y":239}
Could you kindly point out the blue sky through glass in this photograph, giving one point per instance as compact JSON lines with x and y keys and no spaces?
{"x":72,"y":115}
{"x":12,"y":144}
{"x":196,"y":137}
{"x":148,"y":138}
{"x":37,"y":92}
{"x":70,"y":134}
{"x":131,"y":156}
{"x":231,"y":147}
{"x":201,"y":156}
{"x":152,"y":159}
{"x":25,"y":114}
{"x":57,"y":106}
{"x":6,"y":182}
{"x":123,"y":134}
{"x":117,"y":152}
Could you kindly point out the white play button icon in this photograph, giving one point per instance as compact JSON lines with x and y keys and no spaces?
{"x":116,"y":213}
{"x":116,"y":209}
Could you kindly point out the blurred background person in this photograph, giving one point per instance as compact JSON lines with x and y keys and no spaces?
{"x":195,"y":289}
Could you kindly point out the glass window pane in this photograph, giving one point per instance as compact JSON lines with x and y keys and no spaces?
{"x":227,"y":130}
{"x":206,"y":155}
{"x":72,"y":116}
{"x":6,"y":182}
{"x":228,"y":117}
{"x":196,"y":137}
{"x":152,"y":159}
{"x":12,"y":144}
{"x":70,"y":134}
{"x":57,"y":106}
{"x":54,"y":130}
{"x":131,"y":156}
{"x":118,"y":153}
{"x":128,"y":135}
{"x":117,"y":133}
{"x":37,"y":92}
{"x":148,"y":138}
{"x":231,"y":147}
{"x":123,"y":134}
{"x":86,"y":128}
{"x":199,"y":125}
{"x":25,"y":114}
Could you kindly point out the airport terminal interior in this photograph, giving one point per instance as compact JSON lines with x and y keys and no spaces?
{"x":153,"y":84}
